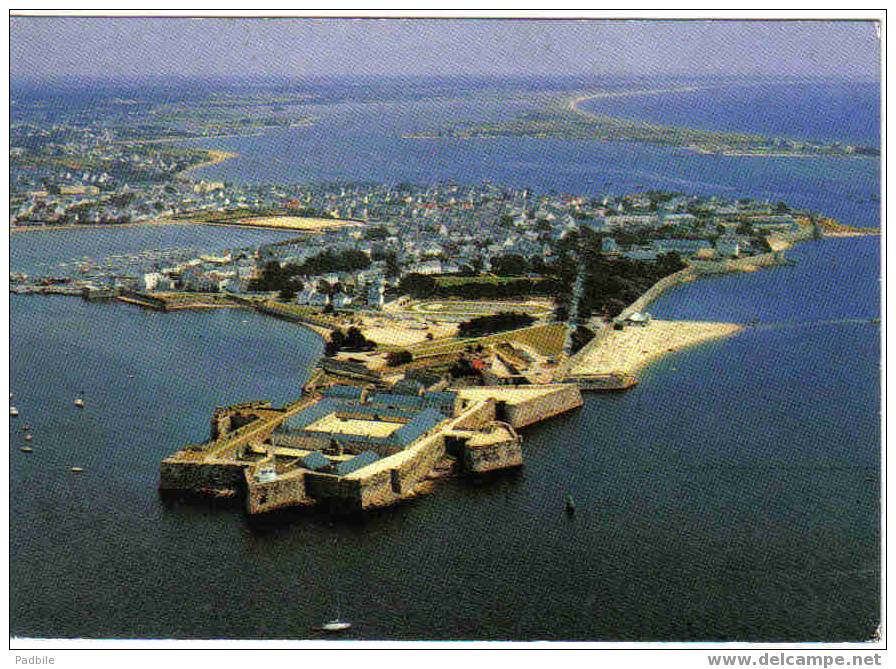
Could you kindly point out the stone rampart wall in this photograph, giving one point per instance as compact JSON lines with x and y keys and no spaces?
{"x":476,"y":416}
{"x":520,"y":414}
{"x":503,"y":455}
{"x":286,"y":491}
{"x":193,"y":475}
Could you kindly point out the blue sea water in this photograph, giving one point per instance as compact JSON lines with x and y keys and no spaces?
{"x":733,"y":494}
{"x":826,"y":111}
{"x":366,"y":142}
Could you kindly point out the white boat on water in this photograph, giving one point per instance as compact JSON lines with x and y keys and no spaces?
{"x":13,"y":412}
{"x":335,"y":625}
{"x":79,"y":402}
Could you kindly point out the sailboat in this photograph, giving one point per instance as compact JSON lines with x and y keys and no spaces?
{"x":337,"y":624}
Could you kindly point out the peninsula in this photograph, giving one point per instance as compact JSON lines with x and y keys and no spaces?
{"x":560,"y":116}
{"x":454,"y":316}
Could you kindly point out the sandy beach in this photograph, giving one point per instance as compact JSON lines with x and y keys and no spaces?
{"x":215,"y":157}
{"x":628,"y":351}
{"x":573,"y":103}
{"x":300,"y":223}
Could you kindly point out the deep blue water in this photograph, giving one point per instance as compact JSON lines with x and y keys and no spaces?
{"x":364,"y":142}
{"x":820,"y":111}
{"x":733,"y":494}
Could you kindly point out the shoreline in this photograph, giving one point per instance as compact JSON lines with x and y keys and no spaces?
{"x":626,"y":352}
{"x":216,"y":157}
{"x":572,"y":103}
{"x":631,"y":350}
{"x":20,"y":229}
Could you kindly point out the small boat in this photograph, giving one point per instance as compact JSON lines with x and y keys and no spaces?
{"x":28,"y":437}
{"x":570,"y":505}
{"x":26,"y":427}
{"x":79,"y":402}
{"x":26,"y":449}
{"x":77,"y":470}
{"x":13,"y":412}
{"x":335,"y":625}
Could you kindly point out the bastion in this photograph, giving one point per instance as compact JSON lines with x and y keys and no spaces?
{"x":351,"y":448}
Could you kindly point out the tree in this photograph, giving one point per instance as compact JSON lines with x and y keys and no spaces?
{"x":463,"y":367}
{"x":418,"y":285}
{"x":393,"y":269}
{"x":396,"y":358}
{"x":347,"y":260}
{"x":377,"y":232}
{"x":352,"y":340}
{"x":287,"y":293}
{"x":504,"y":320}
{"x":511,"y":264}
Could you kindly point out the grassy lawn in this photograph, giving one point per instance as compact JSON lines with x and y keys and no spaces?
{"x":302,"y":310}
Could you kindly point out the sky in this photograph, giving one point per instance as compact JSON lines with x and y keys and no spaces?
{"x":124,"y":48}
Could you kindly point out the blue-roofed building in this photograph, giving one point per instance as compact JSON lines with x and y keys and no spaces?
{"x":682,"y":246}
{"x":316,"y":461}
{"x":640,"y":254}
{"x":310,"y":415}
{"x":422,"y":423}
{"x":343,"y":392}
{"x":395,"y":400}
{"x":443,"y":400}
{"x":360,"y":460}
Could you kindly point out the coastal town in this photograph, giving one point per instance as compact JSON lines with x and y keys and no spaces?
{"x":413,"y":272}
{"x":453,"y":315}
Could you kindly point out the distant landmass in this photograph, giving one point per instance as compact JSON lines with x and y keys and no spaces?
{"x":562,"y":118}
